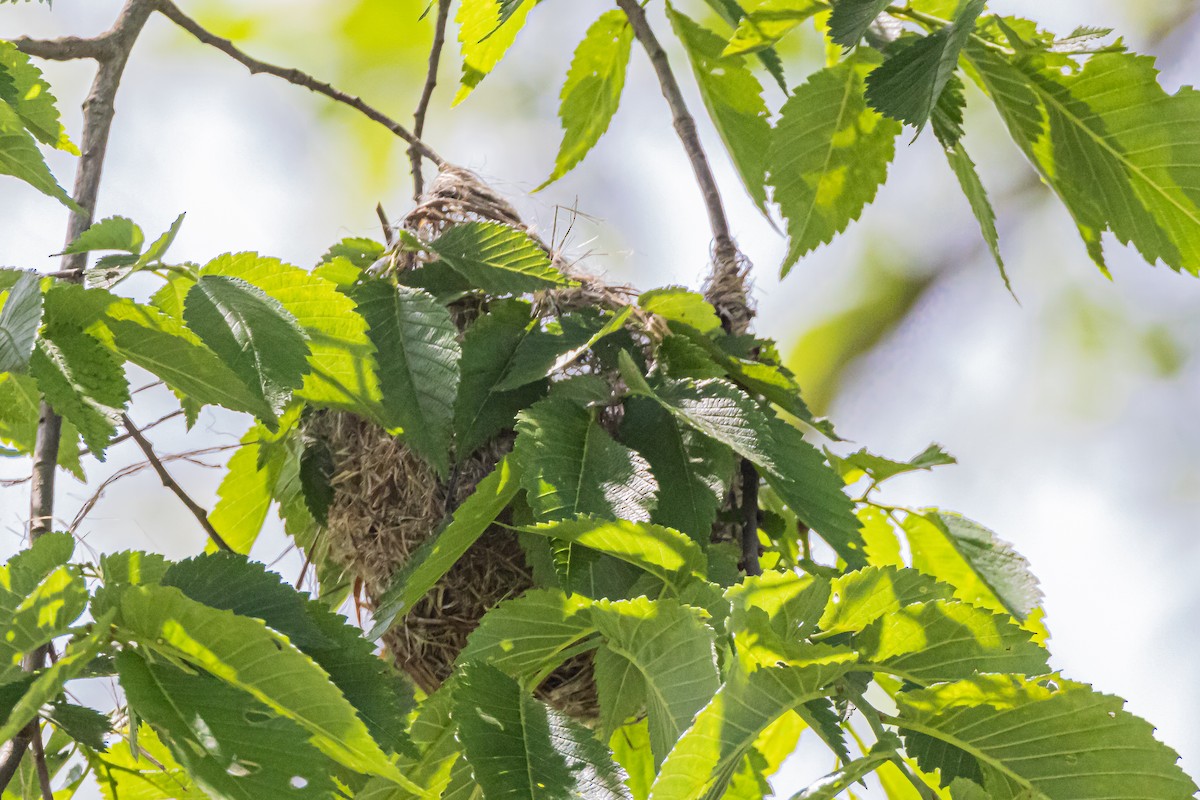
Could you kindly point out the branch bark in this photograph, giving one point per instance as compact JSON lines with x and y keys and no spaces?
{"x":435,"y":57}
{"x":294,"y":76}
{"x":750,"y":546}
{"x":726,"y":284}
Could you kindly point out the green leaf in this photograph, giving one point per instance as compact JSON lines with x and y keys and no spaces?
{"x":26,"y":91}
{"x":571,"y":466}
{"x":829,"y":154}
{"x":692,"y":470}
{"x":1041,"y":738}
{"x":945,"y":640}
{"x":664,"y":553}
{"x":976,"y":194}
{"x":983,"y":569}
{"x":420,"y":373}
{"x":850,"y":20}
{"x":531,"y":634}
{"x":486,"y":30}
{"x":860,"y":598}
{"x":158,"y":248}
{"x":1112,"y":143}
{"x":245,"y":493}
{"x":316,"y":480}
{"x":794,"y":468}
{"x":537,"y":354}
{"x":672,"y":650}
{"x":909,"y":84}
{"x":19,"y":412}
{"x":880,"y":469}
{"x":20,"y":319}
{"x":39,"y":599}
{"x":679,"y":304}
{"x":702,"y":763}
{"x":113,"y":233}
{"x":20,"y":157}
{"x":521,"y":750}
{"x":360,"y":252}
{"x":592,"y":91}
{"x":231,"y":745}
{"x":342,"y":357}
{"x":83,"y":381}
{"x":251,"y":332}
{"x":733,"y":97}
{"x":244,"y":653}
{"x":434,"y":559}
{"x":232,"y":583}
{"x":489,"y":348}
{"x":83,"y":724}
{"x":162,"y":346}
{"x":50,"y":681}
{"x":767,"y":21}
{"x":497,"y":258}
{"x":792,"y":603}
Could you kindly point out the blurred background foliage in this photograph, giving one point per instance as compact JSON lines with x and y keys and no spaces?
{"x":1071,"y":408}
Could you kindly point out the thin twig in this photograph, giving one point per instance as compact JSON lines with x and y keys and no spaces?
{"x":388,"y":236}
{"x":124,"y":437}
{"x":197,"y":511}
{"x":750,"y":545}
{"x":435,"y":56}
{"x":294,"y":76}
{"x":685,"y":125}
{"x":39,"y":761}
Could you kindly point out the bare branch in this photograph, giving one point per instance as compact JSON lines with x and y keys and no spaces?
{"x":750,"y":544}
{"x":39,"y":761}
{"x":292,"y":75}
{"x":68,"y":48}
{"x":197,"y":511}
{"x":435,"y":57}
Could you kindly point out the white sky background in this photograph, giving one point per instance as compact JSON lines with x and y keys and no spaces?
{"x":1075,"y":450}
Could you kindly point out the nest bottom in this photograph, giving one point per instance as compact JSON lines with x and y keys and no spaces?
{"x":387,"y":502}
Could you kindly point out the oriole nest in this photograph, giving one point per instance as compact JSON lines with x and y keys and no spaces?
{"x":388,"y":500}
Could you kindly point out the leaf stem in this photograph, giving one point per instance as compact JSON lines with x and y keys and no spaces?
{"x":435,"y":56}
{"x":294,"y":76}
{"x":197,"y":511}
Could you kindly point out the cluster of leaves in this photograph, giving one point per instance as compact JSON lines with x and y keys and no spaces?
{"x":637,"y":430}
{"x":1091,"y":118}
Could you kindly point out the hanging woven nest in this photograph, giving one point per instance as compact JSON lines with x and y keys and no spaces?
{"x":388,"y":500}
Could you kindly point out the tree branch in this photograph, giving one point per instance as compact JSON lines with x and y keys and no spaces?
{"x":197,"y":511}
{"x":39,"y":761}
{"x":68,"y":48}
{"x":172,"y":12}
{"x":726,"y":284}
{"x":112,"y":51}
{"x":750,"y":544}
{"x":435,"y":57}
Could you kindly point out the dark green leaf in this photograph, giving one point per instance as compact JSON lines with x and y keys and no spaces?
{"x":497,"y":258}
{"x":20,"y":319}
{"x":910,"y":83}
{"x":20,"y":157}
{"x":113,"y":233}
{"x":489,"y":348}
{"x":360,"y":252}
{"x":521,"y":750}
{"x":230,"y":744}
{"x":853,"y":466}
{"x":24,"y":89}
{"x":538,"y":352}
{"x":418,"y":365}
{"x":84,"y":725}
{"x":251,"y":332}
{"x":83,"y":381}
{"x":570,"y":466}
{"x":426,"y":567}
